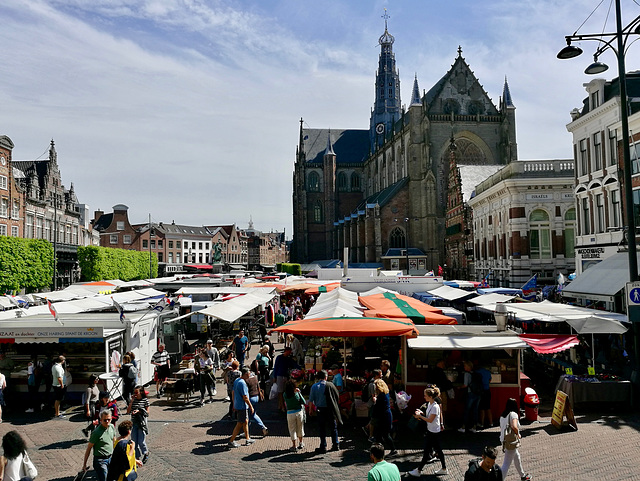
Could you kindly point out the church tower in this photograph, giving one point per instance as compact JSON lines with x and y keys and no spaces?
{"x":387,"y":107}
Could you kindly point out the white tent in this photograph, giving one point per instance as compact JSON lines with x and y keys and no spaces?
{"x":237,"y":307}
{"x":451,"y":293}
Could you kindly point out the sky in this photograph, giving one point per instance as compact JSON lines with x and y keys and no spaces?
{"x":189,"y":110}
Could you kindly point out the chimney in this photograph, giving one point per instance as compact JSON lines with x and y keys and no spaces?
{"x":97,"y":214}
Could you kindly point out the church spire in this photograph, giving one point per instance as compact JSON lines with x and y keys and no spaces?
{"x":329,"y":149}
{"x":415,"y":93}
{"x":506,"y":95}
{"x":387,"y":105}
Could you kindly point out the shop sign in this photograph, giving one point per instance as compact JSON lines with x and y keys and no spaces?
{"x":590,"y":252}
{"x":88,"y":332}
{"x":539,"y":196}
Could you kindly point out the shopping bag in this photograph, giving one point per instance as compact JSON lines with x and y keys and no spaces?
{"x":274,"y":391}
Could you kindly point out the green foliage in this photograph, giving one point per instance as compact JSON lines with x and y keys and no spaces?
{"x":25,"y":264}
{"x":100,"y":263}
{"x":289,"y":268}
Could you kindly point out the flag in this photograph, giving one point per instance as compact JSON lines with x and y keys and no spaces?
{"x":440,"y":270}
{"x":18,"y":302}
{"x":53,"y":311}
{"x":160,"y":305}
{"x":484,"y":284}
{"x":119,"y":309}
{"x":561,"y":279}
{"x":529,"y":288}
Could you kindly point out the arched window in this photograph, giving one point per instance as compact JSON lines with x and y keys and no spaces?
{"x":317,"y":212}
{"x":397,"y":239}
{"x":313,"y":182}
{"x":342,"y":181}
{"x":570,"y":233}
{"x":539,"y":235}
{"x":355,"y":182}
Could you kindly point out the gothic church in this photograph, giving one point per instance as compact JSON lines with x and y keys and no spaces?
{"x":383,"y":190}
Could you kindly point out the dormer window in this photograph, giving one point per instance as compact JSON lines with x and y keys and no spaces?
{"x":595,"y":99}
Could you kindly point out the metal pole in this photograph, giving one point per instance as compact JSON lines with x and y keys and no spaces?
{"x":406,"y":220}
{"x":55,"y":241}
{"x":150,"y":275}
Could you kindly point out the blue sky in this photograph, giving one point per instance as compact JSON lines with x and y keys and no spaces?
{"x":189,"y":109}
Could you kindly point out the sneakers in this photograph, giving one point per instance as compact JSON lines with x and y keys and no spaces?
{"x":462,"y":430}
{"x":145,"y":458}
{"x":265,"y":431}
{"x":249,"y":441}
{"x":85,"y":431}
{"x":227,"y":398}
{"x":472,"y":430}
{"x":201,"y":403}
{"x":526,"y":477}
{"x":158,"y":395}
{"x":233,"y":444}
{"x":416,"y":473}
{"x":441,"y":472}
{"x":431,"y":459}
{"x":301,"y":446}
{"x":292,"y":449}
{"x":61,"y":416}
{"x":214,"y":393}
{"x":30,"y":410}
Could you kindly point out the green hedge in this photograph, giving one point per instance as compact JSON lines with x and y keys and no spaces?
{"x":100,"y":263}
{"x":25,"y":264}
{"x":293,"y":269}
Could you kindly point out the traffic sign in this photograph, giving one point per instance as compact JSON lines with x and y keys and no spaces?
{"x":632,"y":292}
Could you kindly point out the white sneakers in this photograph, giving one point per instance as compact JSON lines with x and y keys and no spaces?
{"x":441,"y":471}
{"x":416,"y":473}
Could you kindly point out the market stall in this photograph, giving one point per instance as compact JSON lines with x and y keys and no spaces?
{"x":93,"y":343}
{"x":485,"y":346}
{"x":604,"y":390}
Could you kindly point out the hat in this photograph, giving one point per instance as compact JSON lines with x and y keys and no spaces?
{"x":104,"y":394}
{"x":209,"y":341}
{"x":335,"y":366}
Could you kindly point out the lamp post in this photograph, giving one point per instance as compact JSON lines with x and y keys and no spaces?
{"x":617,"y":43}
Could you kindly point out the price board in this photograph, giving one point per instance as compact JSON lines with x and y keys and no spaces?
{"x":562,"y":408}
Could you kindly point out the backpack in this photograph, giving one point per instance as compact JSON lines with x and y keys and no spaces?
{"x":476,"y":385}
{"x":133,"y":372}
{"x":365,"y":393}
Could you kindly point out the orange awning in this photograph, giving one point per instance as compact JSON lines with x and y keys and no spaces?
{"x":322,"y":288}
{"x":302,"y":286}
{"x":396,"y":306}
{"x":99,"y":283}
{"x":350,"y":327}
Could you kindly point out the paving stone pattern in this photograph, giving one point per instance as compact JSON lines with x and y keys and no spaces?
{"x":189,"y":442}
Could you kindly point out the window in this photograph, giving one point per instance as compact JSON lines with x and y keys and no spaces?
{"x":170,"y":244}
{"x":583,"y":157}
{"x":159,"y":243}
{"x":355,"y":182}
{"x":397,"y":239}
{"x":177,"y":257}
{"x":634,"y":152}
{"x":120,"y":225}
{"x":14,"y":231}
{"x":600,"y":212}
{"x":586,"y":221}
{"x":74,"y":240}
{"x":193,"y":245}
{"x":170,"y":257}
{"x":47,"y":230}
{"x":539,"y":235}
{"x":113,"y":239}
{"x":159,"y":256}
{"x":3,"y":229}
{"x":4,"y":208}
{"x":3,"y":184}
{"x":153,"y":244}
{"x":636,"y":206}
{"x":126,"y":239}
{"x":145,"y":244}
{"x":317,"y":212}
{"x":613,"y":147}
{"x":15,"y":212}
{"x":342,"y":181}
{"x":313,"y":182}
{"x":597,"y":151}
{"x":39,"y":221}
{"x":615,"y":209}
{"x":595,"y":100}
{"x":28,"y":227}
{"x":177,"y":245}
{"x":206,"y":246}
{"x":200,"y":245}
{"x":570,"y":233}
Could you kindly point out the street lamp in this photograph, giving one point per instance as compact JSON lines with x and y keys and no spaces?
{"x":616,"y":42}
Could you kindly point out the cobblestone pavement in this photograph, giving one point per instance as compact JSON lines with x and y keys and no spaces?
{"x":189,"y":442}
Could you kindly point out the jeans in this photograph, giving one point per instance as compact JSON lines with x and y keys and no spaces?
{"x":471,"y":410}
{"x":139,"y":437}
{"x":101,"y":466}
{"x":327,"y":420}
{"x":254,"y":415}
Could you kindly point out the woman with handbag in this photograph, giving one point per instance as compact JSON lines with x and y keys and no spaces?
{"x":207,"y":381}
{"x":15,"y":464}
{"x":510,"y":439}
{"x":381,"y":416}
{"x":295,"y":414}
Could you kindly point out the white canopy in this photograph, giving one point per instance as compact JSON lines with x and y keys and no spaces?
{"x":597,"y":325}
{"x":337,"y":303}
{"x":490,"y":299}
{"x":465,"y":337}
{"x":450,"y":293}
{"x":238,"y":306}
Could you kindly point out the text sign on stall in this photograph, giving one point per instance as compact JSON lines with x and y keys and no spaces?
{"x":633,"y":301}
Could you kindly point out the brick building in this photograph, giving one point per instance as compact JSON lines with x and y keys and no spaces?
{"x":11,"y":198}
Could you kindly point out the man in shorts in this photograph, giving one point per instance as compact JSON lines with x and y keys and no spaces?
{"x":163,"y":367}
{"x":284,"y":362}
{"x":57,"y":370}
{"x":242,"y":407}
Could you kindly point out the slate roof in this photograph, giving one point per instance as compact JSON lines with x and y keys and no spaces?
{"x":103,"y":222}
{"x":184,"y":229}
{"x":396,"y":252}
{"x":384,"y":196}
{"x":612,"y":89}
{"x":350,"y":146}
{"x":472,"y":175}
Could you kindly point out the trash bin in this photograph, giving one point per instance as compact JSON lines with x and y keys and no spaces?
{"x":531,"y":403}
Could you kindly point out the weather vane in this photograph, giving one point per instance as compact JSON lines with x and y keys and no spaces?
{"x":386,"y":16}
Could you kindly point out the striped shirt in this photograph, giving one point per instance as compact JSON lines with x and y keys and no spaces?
{"x":161,"y":357}
{"x":139,"y":418}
